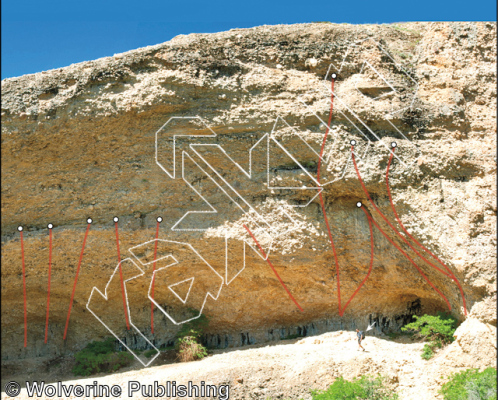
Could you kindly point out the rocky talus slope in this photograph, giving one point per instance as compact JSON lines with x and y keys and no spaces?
{"x":82,"y":141}
{"x":292,"y":368}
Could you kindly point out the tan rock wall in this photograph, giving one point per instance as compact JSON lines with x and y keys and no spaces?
{"x":80,"y":141}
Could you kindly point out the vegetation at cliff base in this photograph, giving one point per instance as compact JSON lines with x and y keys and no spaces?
{"x":149,"y":353}
{"x":188,"y":343}
{"x":100,"y":356}
{"x":471,"y":385}
{"x":360,"y":388}
{"x":437,"y":329}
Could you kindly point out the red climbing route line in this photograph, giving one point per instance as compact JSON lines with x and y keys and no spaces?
{"x":415,"y":240}
{"x":385,"y":219}
{"x":371,"y":260}
{"x":392,"y":227}
{"x":49,"y":276}
{"x":24,"y":293}
{"x":75,"y":281}
{"x":121,"y":277}
{"x":322,"y":202}
{"x":153,"y":278}
{"x":413,"y":262}
{"x":273,"y":269}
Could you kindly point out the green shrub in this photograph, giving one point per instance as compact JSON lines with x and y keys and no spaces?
{"x":471,"y":385}
{"x":149,"y":353}
{"x":115,"y":361}
{"x":360,"y":388}
{"x":100,"y":357}
{"x":438,"y":330}
{"x":87,"y":363}
{"x":188,"y":343}
{"x":195,"y":327}
{"x":428,"y":352}
{"x":432,"y":327}
{"x":189,"y":349}
{"x":105,"y":347}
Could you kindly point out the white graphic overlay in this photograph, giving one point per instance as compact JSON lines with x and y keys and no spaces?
{"x":378,"y":78}
{"x":105,"y":296}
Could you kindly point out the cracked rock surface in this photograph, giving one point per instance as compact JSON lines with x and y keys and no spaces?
{"x":79,"y":141}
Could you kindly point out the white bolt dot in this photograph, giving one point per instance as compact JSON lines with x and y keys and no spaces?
{"x":89,"y":220}
{"x":353,"y":142}
{"x":159,"y":219}
{"x":334,"y":76}
{"x":393,"y":144}
{"x":358,"y":204}
{"x":50,"y":226}
{"x":115,"y":219}
{"x":19,"y":228}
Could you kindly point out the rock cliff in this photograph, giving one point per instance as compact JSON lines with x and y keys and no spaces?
{"x":96,"y":139}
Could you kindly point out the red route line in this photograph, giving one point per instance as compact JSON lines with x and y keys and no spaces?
{"x":153,"y":279}
{"x":121,"y":277}
{"x":385,"y":219}
{"x":326,"y":132}
{"x":371,"y":259}
{"x":273,"y":269}
{"x":415,"y":240}
{"x":24,"y":294}
{"x":413,"y":262}
{"x":75,"y":281}
{"x":399,"y":234}
{"x":322,"y":202}
{"x":49,"y":276}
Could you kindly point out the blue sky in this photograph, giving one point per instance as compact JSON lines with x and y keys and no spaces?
{"x":40,"y":35}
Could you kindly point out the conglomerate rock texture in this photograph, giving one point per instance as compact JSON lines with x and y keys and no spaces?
{"x":80,"y":142}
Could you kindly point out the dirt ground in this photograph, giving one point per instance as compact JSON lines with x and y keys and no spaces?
{"x":287,"y":370}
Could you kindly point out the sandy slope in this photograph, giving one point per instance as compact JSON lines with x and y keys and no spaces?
{"x":291,"y":368}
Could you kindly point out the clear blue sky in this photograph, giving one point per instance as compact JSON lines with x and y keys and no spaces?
{"x":43,"y":34}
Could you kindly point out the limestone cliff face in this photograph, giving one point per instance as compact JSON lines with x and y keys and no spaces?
{"x":81,"y":141}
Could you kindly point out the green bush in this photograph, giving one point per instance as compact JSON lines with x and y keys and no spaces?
{"x":360,"y":388}
{"x":428,"y":352}
{"x":432,"y":327}
{"x":195,"y":327}
{"x":100,"y":357}
{"x":438,"y":330}
{"x":189,"y":349}
{"x":105,"y":347}
{"x":188,"y":343}
{"x":149,"y":353}
{"x":471,"y":385}
{"x":87,"y":363}
{"x":118,"y":360}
